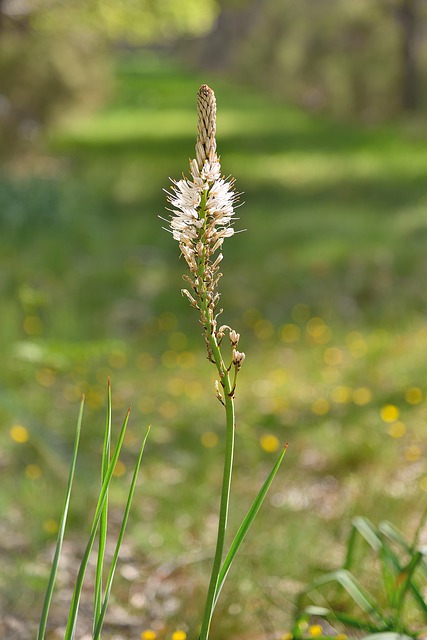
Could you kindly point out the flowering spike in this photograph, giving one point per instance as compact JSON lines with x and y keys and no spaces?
{"x":202,"y":213}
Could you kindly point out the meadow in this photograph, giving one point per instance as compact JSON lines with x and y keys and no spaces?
{"x":326,"y":285}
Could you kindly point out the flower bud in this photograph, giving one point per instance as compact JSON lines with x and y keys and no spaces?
{"x":238,"y":358}
{"x":234,"y":338}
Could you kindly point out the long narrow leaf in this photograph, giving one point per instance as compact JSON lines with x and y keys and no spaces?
{"x":244,"y":527}
{"x":342,"y":617}
{"x":74,"y":607}
{"x":405,"y":585}
{"x":61,"y":531}
{"x":394,"y":535}
{"x":368,"y":532}
{"x":360,"y":596}
{"x":411,"y":584}
{"x":104,"y":515}
{"x":101,"y":617}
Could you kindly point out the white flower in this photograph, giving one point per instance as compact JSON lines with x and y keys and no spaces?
{"x":189,"y":223}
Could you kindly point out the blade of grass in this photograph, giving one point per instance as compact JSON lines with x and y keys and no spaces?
{"x":101,"y":617}
{"x":363,"y":527}
{"x":61,"y":531}
{"x":355,"y":591}
{"x":342,"y":617}
{"x":74,"y":607}
{"x":244,"y":527}
{"x":394,"y":535}
{"x":104,"y":515}
{"x":390,"y":570}
{"x":399,"y":570}
{"x":405,"y":585}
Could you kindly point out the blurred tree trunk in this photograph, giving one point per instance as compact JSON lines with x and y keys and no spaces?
{"x":407,"y":15}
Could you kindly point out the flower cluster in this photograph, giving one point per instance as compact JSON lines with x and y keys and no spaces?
{"x":202,"y":215}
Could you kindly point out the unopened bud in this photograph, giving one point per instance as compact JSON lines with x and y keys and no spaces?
{"x":238,"y":358}
{"x":234,"y":338}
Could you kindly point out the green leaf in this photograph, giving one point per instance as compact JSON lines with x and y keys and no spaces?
{"x":103,"y":525}
{"x":100,"y":620}
{"x":75,"y":602}
{"x":360,"y":596}
{"x":387,"y":635}
{"x":244,"y":527}
{"x":61,"y":532}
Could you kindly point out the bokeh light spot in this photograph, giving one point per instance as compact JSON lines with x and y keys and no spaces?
{"x":186,"y":360}
{"x":320,"y":407}
{"x":315,"y":630}
{"x":362,"y":395}
{"x":413,"y":395}
{"x":318,"y":330}
{"x":290,"y":333}
{"x":389,"y":413}
{"x":179,"y":635}
{"x":397,"y":429}
{"x":333,"y":356}
{"x":269,"y":442}
{"x":356,"y":344}
{"x":209,"y":439}
{"x":149,"y":634}
{"x":19,"y":433}
{"x":341,"y":394}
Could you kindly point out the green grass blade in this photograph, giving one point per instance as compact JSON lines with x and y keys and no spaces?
{"x":390,"y":570}
{"x":406,"y":583}
{"x":61,"y":532}
{"x":388,"y":635}
{"x":104,"y":515}
{"x":351,"y":546}
{"x":342,"y":617}
{"x":244,"y":527}
{"x":368,"y":532}
{"x":394,"y":535}
{"x":100,"y":620}
{"x":75,"y":602}
{"x":360,"y":596}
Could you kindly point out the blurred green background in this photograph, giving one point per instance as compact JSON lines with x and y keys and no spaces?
{"x":321,"y":119}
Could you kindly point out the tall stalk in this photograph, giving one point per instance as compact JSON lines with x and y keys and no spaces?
{"x":202,"y":216}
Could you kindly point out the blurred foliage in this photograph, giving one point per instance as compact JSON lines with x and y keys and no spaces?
{"x":54,"y":56}
{"x":359,"y":58}
{"x":135,"y":22}
{"x":42,"y":77}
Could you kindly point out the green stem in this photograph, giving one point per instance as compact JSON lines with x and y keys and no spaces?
{"x":209,"y":323}
{"x":225,"y":493}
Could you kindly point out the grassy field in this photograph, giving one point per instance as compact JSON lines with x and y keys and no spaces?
{"x":326,"y":286}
